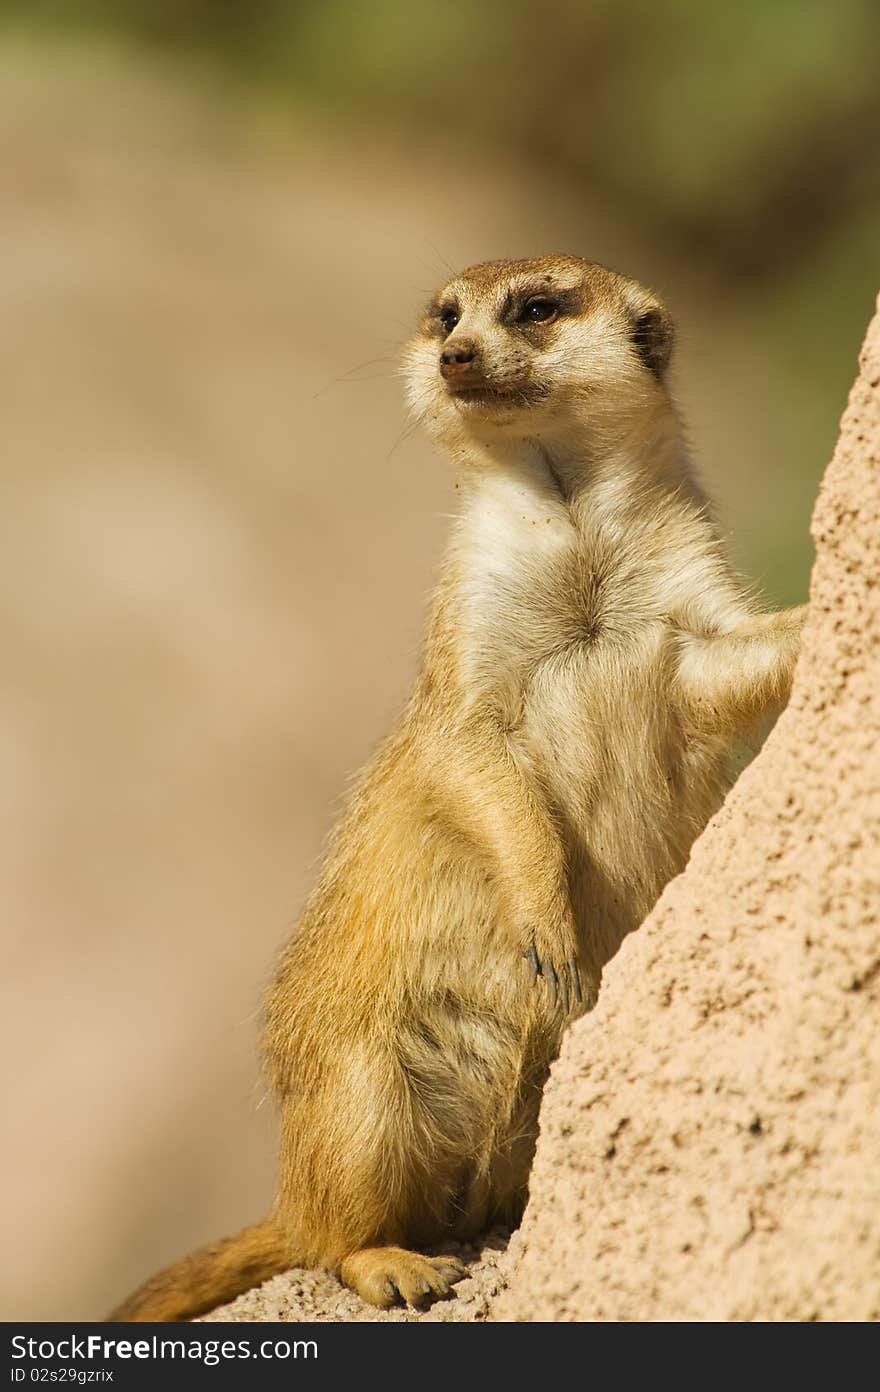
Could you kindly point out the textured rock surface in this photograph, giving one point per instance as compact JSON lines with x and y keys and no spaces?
{"x":710,"y":1136}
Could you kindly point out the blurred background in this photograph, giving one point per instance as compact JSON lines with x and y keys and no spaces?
{"x":219,"y":219}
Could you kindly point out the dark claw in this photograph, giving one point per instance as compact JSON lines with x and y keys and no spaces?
{"x":575,"y":979}
{"x":563,"y":992}
{"x":552,"y":983}
{"x":534,"y":964}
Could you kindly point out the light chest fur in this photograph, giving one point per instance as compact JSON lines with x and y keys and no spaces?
{"x":569,"y":619}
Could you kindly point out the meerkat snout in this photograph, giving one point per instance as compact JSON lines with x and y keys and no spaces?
{"x":459,"y":357}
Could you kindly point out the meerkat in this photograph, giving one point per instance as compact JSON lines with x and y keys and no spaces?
{"x":590,"y":660}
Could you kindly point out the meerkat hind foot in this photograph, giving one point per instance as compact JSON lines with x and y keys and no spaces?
{"x":381,"y":1275}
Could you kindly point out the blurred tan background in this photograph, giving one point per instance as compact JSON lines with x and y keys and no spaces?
{"x":219,"y":220}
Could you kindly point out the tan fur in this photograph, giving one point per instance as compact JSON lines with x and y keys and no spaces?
{"x":590,"y":661}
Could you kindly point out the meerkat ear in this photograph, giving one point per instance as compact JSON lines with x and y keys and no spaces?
{"x":652,"y":336}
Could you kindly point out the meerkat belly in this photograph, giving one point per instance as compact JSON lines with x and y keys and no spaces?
{"x":627,"y":787}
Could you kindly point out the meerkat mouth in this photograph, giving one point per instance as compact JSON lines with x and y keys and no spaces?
{"x":486,"y":396}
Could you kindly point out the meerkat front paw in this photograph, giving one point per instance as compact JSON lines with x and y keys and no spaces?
{"x":789,"y":622}
{"x":555,"y":966}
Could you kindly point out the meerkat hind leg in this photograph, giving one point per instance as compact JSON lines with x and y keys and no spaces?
{"x":382,"y":1274}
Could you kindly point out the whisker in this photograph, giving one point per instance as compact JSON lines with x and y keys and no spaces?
{"x":442,"y":259}
{"x":411,"y":422}
{"x":349,"y":375}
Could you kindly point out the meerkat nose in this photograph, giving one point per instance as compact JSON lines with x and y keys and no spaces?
{"x":458,"y":357}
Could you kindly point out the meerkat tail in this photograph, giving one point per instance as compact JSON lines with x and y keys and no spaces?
{"x":209,"y":1277}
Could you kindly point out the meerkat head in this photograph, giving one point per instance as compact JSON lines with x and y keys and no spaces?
{"x":534,"y":349}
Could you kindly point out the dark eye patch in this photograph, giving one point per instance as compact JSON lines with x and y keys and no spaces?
{"x":540,"y":304}
{"x":539,"y":311}
{"x":441,"y":317}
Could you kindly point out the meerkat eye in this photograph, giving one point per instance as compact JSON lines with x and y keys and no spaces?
{"x":449,"y":317}
{"x":539,"y":311}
